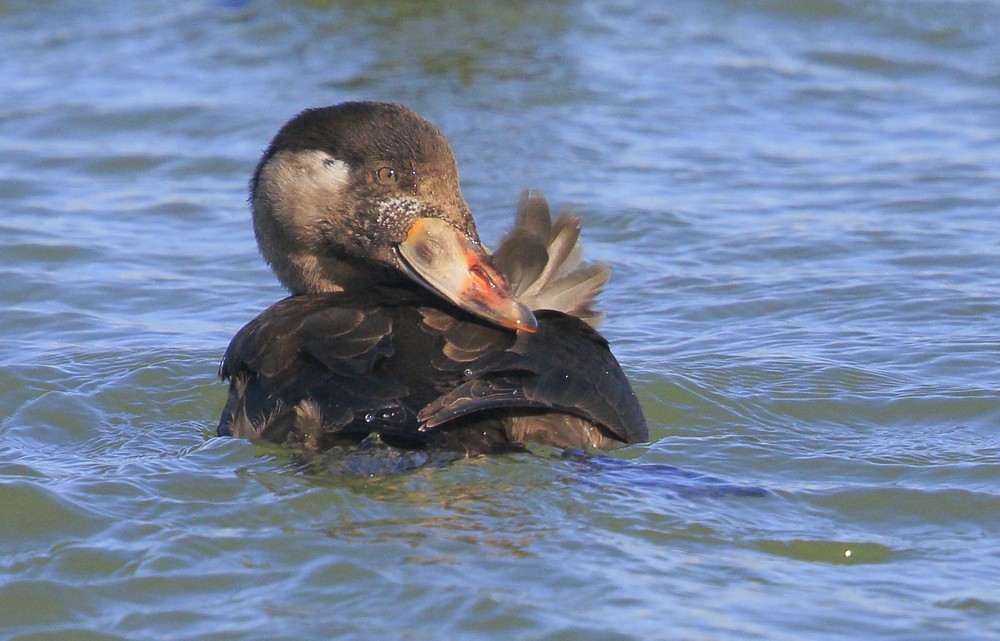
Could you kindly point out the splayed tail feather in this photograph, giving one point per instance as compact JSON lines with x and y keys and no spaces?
{"x":542,"y":261}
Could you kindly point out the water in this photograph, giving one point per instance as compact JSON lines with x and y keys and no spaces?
{"x":799,"y":201}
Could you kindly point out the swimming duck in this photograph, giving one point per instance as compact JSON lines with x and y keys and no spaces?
{"x":400,"y":323}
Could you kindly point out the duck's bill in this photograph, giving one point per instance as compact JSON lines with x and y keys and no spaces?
{"x":444,"y":260}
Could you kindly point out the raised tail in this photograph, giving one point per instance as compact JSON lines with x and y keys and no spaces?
{"x":542,"y":260}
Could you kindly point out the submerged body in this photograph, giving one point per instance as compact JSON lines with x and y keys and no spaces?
{"x":400,"y":323}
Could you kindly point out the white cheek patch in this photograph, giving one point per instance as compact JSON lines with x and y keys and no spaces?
{"x":301,"y":186}
{"x":336,"y":171}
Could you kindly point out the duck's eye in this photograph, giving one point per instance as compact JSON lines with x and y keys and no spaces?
{"x":387,"y":175}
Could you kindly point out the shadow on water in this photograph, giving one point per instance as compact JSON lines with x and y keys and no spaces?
{"x":603,"y":469}
{"x":374,"y":458}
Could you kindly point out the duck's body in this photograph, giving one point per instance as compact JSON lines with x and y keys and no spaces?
{"x":400,"y":323}
{"x":323,"y":368}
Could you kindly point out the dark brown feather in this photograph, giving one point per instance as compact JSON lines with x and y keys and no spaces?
{"x":350,"y":365}
{"x":316,"y":369}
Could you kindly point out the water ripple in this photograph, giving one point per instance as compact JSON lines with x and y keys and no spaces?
{"x":798,"y":202}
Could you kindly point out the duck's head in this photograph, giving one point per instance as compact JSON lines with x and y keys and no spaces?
{"x":366,"y":193}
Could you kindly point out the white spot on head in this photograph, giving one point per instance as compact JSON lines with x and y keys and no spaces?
{"x":337,"y":170}
{"x":299,"y":185}
{"x":295,"y":202}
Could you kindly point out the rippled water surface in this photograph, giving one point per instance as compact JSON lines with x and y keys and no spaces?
{"x":800,"y":202}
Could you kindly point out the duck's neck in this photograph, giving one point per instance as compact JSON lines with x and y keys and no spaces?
{"x":307,"y":274}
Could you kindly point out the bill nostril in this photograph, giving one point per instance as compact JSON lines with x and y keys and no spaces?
{"x":480,"y":273}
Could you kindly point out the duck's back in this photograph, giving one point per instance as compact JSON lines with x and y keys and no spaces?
{"x":318,"y":369}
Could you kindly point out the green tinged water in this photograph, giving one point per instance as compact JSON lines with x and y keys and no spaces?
{"x":799,"y":202}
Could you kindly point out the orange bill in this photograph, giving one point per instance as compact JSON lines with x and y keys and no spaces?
{"x":444,"y":260}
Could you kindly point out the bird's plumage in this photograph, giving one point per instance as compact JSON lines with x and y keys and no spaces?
{"x":386,"y":353}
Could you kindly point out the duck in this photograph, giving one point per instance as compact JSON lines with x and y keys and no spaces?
{"x":400,"y":324}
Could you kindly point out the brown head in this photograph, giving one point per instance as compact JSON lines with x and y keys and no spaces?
{"x":365,"y":193}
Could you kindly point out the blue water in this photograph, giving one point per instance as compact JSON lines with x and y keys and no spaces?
{"x":800,"y":203}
